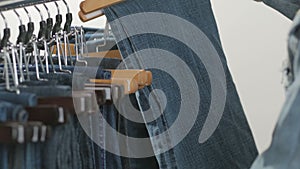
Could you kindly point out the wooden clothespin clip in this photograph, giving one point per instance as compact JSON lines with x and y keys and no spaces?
{"x":47,"y":114}
{"x":90,"y":16}
{"x":91,"y":9}
{"x":22,"y":132}
{"x":130,"y":85}
{"x":112,"y":92}
{"x":131,"y":80}
{"x":142,"y":77}
{"x":112,"y":54}
{"x":11,"y":133}
{"x":89,"y":6}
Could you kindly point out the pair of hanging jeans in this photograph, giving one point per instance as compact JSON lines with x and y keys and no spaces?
{"x":284,"y":151}
{"x":231,"y":144}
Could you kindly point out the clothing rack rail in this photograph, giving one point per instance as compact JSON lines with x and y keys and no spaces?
{"x":6,"y":5}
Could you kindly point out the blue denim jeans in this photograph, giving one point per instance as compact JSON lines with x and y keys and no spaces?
{"x":231,"y":145}
{"x":25,"y":99}
{"x":284,"y":151}
{"x":286,"y":7}
{"x":14,"y":156}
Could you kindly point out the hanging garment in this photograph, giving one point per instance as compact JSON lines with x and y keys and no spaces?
{"x":231,"y":145}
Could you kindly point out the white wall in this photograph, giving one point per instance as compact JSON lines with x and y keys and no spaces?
{"x":254,"y":39}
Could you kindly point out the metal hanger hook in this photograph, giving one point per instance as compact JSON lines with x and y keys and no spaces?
{"x":47,"y":9}
{"x":28,"y":14}
{"x":4,"y":19}
{"x":40,"y":12}
{"x":57,"y":6}
{"x":19,"y":17}
{"x":68,"y":8}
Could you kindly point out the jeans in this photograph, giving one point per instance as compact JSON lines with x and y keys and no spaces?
{"x":284,"y":151}
{"x":286,"y":7}
{"x":25,"y":99}
{"x":48,"y":91}
{"x":231,"y":145}
{"x":13,"y":156}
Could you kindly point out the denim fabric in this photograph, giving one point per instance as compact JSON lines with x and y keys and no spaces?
{"x":13,"y":156}
{"x":4,"y":113}
{"x":48,"y":91}
{"x":286,"y":7}
{"x":59,"y":151}
{"x":25,"y":99}
{"x":10,"y":111}
{"x":284,"y":150}
{"x":232,"y":145}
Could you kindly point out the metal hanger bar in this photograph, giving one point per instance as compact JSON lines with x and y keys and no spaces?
{"x":6,"y":5}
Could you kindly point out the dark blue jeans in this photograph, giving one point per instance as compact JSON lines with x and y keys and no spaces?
{"x":231,"y":145}
{"x":25,"y":99}
{"x":16,"y":156}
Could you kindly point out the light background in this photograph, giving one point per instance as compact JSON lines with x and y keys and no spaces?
{"x":254,"y":40}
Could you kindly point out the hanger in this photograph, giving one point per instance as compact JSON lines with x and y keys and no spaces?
{"x":11,"y":66}
{"x":47,"y":114}
{"x":49,"y":23}
{"x":112,"y":92}
{"x":48,"y":36}
{"x":12,"y":133}
{"x":112,"y":54}
{"x":30,"y":28}
{"x":90,"y":16}
{"x":142,"y":77}
{"x":81,"y":101}
{"x":130,"y":85}
{"x":6,"y":33}
{"x":42,"y":41}
{"x":89,"y":6}
{"x":57,"y":26}
{"x":23,"y":132}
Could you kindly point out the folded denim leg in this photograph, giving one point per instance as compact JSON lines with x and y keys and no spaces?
{"x":25,"y":99}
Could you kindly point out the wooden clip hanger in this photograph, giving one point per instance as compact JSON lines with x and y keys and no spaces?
{"x":142,"y":77}
{"x":131,"y":80}
{"x":90,"y":16}
{"x":112,"y":92}
{"x":22,"y":132}
{"x":89,"y":6}
{"x":111,"y":54}
{"x":130,"y":86}
{"x":48,"y":114}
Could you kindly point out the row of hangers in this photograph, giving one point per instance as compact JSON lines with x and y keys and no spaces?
{"x":51,"y":52}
